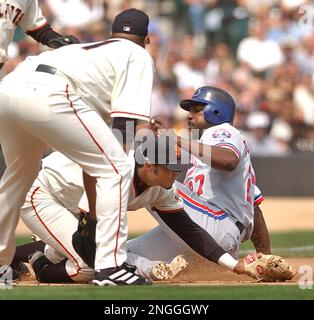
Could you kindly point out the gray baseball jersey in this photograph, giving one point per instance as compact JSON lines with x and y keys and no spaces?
{"x":231,"y":192}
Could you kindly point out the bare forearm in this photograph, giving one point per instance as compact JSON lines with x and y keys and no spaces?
{"x":260,"y":235}
{"x":216,"y":157}
{"x":90,"y":188}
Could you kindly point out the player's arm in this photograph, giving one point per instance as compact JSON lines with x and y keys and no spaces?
{"x":198,"y":239}
{"x":125,"y":130}
{"x":47,"y":36}
{"x":260,"y":235}
{"x":218,"y":157}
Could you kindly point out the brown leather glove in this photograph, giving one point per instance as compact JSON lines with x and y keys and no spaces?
{"x":268,"y":268}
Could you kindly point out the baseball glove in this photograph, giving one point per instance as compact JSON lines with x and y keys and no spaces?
{"x":268,"y":268}
{"x":83,"y":240}
{"x":61,"y":41}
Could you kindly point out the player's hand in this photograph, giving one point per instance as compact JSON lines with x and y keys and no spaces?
{"x":83,"y":240}
{"x":161,"y":122}
{"x":269,"y":268}
{"x":62,"y":41}
{"x":162,"y":126}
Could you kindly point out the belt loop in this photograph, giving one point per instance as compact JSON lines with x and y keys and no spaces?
{"x":46,"y":68}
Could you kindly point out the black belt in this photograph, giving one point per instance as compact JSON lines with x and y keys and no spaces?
{"x":45,"y":68}
{"x":240,"y":226}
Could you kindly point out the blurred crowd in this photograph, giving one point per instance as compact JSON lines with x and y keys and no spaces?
{"x":260,"y":51}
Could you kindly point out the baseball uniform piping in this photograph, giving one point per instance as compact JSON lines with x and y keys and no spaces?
{"x":85,"y":127}
{"x":104,"y":153}
{"x":37,"y":28}
{"x":45,"y":226}
{"x":258,"y":200}
{"x":230,"y":147}
{"x":130,"y":113}
{"x":202,"y":208}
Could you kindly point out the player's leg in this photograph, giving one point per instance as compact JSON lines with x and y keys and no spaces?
{"x":112,"y":170}
{"x":157,"y":270}
{"x":67,"y":124}
{"x":79,"y":132}
{"x":156,"y":256}
{"x":156,"y":245}
{"x":54,"y":225}
{"x":22,"y":153}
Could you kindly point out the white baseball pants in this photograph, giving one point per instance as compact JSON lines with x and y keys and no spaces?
{"x":54,"y":225}
{"x":44,"y":109}
{"x":162,"y":243}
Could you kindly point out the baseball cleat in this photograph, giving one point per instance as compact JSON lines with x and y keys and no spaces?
{"x":120,"y":276}
{"x":167,"y":271}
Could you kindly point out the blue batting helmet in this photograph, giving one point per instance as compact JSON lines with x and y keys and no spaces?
{"x":219,"y":105}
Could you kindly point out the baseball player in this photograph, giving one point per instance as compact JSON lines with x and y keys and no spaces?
{"x":27,"y":14}
{"x":66,"y":98}
{"x":218,"y":191}
{"x":51,"y":211}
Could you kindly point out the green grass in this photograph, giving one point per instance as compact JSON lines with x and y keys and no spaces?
{"x":159,"y":292}
{"x":281,"y":243}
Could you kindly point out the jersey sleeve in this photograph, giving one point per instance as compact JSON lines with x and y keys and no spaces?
{"x":33,"y":18}
{"x":131,"y":96}
{"x":224,"y":137}
{"x":258,"y":197}
{"x":168,"y":201}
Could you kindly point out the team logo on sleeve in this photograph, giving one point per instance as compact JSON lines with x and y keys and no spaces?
{"x":221,"y":134}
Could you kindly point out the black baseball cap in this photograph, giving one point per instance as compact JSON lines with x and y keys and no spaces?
{"x":131,"y":21}
{"x":162,"y":151}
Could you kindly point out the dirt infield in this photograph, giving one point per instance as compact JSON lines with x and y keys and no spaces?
{"x":202,"y":272}
{"x":280,"y":214}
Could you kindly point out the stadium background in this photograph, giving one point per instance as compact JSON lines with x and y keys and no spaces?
{"x":261,"y":53}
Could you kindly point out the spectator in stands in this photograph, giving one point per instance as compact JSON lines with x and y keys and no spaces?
{"x":258,"y":52}
{"x":258,"y":139}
